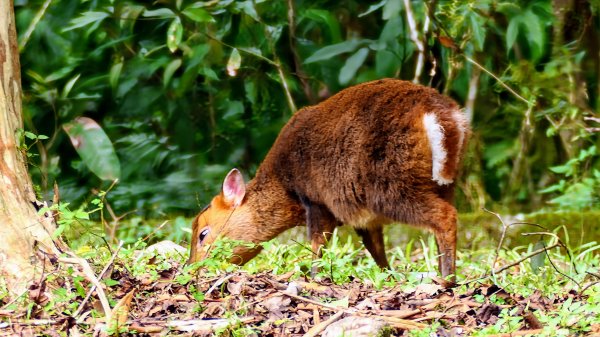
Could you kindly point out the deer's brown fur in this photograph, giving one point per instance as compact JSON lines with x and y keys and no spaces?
{"x":362,"y":158}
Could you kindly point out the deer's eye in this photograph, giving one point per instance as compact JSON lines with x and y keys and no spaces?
{"x":203,"y":234}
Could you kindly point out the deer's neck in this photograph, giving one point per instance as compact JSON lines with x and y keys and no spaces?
{"x":274,"y":208}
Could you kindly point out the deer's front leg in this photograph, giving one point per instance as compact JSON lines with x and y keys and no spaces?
{"x":320,"y":224}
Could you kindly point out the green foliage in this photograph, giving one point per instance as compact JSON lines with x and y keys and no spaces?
{"x":185,"y":90}
{"x":94,"y":148}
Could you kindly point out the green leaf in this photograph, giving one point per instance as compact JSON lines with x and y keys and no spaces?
{"x":86,"y":19}
{"x":94,"y":147}
{"x":234,"y":109}
{"x":234,"y":63}
{"x":209,"y":73}
{"x":392,"y":9}
{"x":81,"y":214}
{"x":562,"y":169}
{"x":198,"y":14}
{"x":328,"y":52}
{"x":509,"y":9}
{"x":247,"y":7}
{"x":386,"y":63}
{"x":159,"y":13}
{"x":512,"y":32}
{"x":58,"y":231}
{"x":170,"y":70}
{"x":373,"y":8}
{"x":478,"y":32}
{"x":114,"y":74}
{"x":30,"y":135}
{"x":535,"y":34}
{"x":174,"y":34}
{"x":69,"y":86}
{"x":326,"y":17}
{"x":352,"y":64}
{"x":392,"y":29}
{"x":555,"y":188}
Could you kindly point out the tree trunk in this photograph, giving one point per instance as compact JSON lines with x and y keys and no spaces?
{"x":26,"y":238}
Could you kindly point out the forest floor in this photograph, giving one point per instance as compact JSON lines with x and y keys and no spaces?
{"x":273,"y":295}
{"x":240,"y":304}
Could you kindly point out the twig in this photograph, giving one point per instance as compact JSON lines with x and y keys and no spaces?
{"x":33,"y":24}
{"x":593,"y":119}
{"x":14,"y":299}
{"x":218,"y":283}
{"x":404,"y":324}
{"x":560,"y":243}
{"x":286,"y":89}
{"x":247,"y":51}
{"x":518,"y":333}
{"x":197,"y":325}
{"x":324,"y":305}
{"x":89,"y":294}
{"x":502,"y":83}
{"x":89,"y":273}
{"x":414,"y":36}
{"x":502,"y":236}
{"x":155,"y":230}
{"x":398,"y":313}
{"x":315,"y":330}
{"x":534,"y":253}
{"x":593,"y":274}
{"x":588,"y":286}
{"x":35,"y":322}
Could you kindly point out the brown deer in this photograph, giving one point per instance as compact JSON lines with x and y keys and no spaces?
{"x":381,"y":152}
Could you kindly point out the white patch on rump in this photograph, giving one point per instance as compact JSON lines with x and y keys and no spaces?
{"x":435,"y":135}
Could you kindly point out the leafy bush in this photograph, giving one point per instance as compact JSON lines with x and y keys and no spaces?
{"x":187,"y":89}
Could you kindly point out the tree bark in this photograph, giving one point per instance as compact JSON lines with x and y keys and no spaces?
{"x":26,"y":242}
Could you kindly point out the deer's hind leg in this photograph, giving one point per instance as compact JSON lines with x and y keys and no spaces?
{"x":440,"y":216}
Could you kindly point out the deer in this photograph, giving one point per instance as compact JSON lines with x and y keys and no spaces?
{"x":377,"y":153}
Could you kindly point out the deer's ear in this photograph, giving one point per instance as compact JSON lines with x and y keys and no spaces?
{"x":234,"y":188}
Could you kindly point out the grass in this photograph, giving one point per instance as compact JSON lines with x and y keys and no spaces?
{"x":560,"y":286}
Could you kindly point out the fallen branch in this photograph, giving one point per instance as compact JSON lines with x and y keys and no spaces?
{"x":397,"y":322}
{"x":89,"y":294}
{"x":89,"y":273}
{"x":392,"y":319}
{"x":315,"y":330}
{"x":398,"y":313}
{"x":324,"y":305}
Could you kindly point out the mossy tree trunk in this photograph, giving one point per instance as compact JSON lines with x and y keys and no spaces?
{"x":26,"y":242}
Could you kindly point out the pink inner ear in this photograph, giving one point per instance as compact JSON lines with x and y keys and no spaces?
{"x":234,"y":188}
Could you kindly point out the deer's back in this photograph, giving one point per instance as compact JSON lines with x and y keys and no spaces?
{"x":365,"y":152}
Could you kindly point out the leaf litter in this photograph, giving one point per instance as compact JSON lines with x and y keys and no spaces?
{"x":265,"y":304}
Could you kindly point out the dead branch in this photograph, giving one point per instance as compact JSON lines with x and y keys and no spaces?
{"x":317,"y":329}
{"x":100,"y":277}
{"x":89,"y":273}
